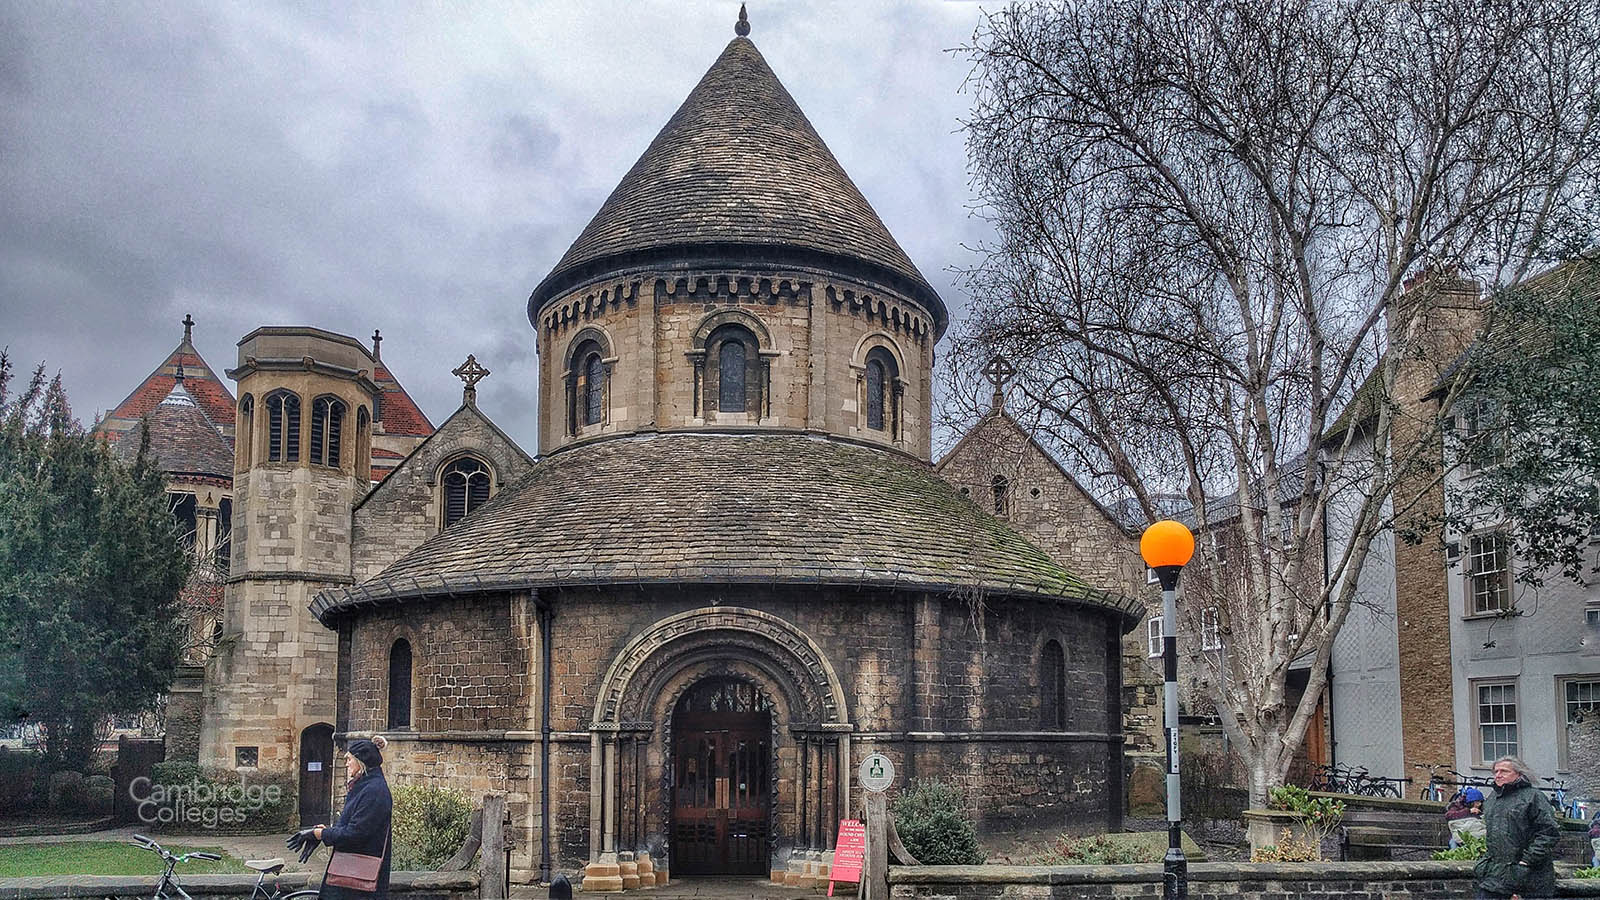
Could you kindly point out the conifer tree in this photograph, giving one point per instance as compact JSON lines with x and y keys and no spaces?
{"x":90,"y":568}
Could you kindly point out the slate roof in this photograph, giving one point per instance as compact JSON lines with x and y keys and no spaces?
{"x":182,"y":438}
{"x":737,"y":167}
{"x":199,"y":381}
{"x":769,"y":508}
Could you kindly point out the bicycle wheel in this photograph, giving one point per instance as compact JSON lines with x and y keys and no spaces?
{"x":302,"y":895}
{"x":1386,"y":789}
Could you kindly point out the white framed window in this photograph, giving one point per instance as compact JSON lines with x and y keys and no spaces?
{"x":1154,"y":635}
{"x":1494,"y":720}
{"x":1591,"y":617}
{"x":1580,"y":700}
{"x":1488,"y":573}
{"x":1210,"y":629}
{"x":1219,"y":549}
{"x":1485,"y":441}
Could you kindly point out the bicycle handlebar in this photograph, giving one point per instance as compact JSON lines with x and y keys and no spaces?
{"x":211,"y":856}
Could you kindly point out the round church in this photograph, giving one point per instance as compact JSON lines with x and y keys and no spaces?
{"x":732,"y":573}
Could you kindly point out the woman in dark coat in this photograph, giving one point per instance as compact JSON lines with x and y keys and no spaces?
{"x":1522,"y":837}
{"x":364,"y":822}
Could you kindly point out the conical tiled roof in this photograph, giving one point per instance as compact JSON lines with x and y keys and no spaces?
{"x":200,"y":382}
{"x":182,"y":438}
{"x":738,"y":172}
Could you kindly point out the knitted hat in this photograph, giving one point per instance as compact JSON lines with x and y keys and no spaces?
{"x":367,"y":752}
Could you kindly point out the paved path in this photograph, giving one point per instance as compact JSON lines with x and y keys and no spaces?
{"x":704,"y":889}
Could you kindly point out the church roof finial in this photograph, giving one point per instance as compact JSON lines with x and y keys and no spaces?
{"x":999,"y":370}
{"x":470,"y":372}
{"x":377,"y":340}
{"x":188,"y":327}
{"x":742,"y":27}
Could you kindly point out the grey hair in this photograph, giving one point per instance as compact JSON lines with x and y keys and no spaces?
{"x":1518,"y":766}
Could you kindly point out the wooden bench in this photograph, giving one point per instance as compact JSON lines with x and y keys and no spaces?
{"x":1378,"y":842}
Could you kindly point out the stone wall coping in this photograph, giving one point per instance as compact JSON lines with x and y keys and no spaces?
{"x":1272,"y":815}
{"x":100,"y":886}
{"x":1147,"y":872}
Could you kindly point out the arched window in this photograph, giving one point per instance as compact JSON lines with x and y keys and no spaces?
{"x":730,"y":376}
{"x":734,"y":383}
{"x":882,"y":404}
{"x":466,"y":487}
{"x":283,"y":427}
{"x":245,"y":431}
{"x":363,"y":458}
{"x":587,"y":376}
{"x":327,"y":430}
{"x":594,"y":389}
{"x":400,"y":684}
{"x":1002,"y":495}
{"x":1052,"y":687}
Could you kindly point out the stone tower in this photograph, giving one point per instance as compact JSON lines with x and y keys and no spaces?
{"x":302,"y":459}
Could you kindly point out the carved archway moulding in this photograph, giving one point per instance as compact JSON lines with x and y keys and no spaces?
{"x":639,"y":665}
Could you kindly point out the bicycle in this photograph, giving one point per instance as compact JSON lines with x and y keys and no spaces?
{"x":274,"y":867}
{"x":168,"y":887}
{"x":1558,"y":798}
{"x":1434,"y":789}
{"x":168,"y":881}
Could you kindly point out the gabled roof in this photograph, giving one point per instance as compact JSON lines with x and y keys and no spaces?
{"x":765,"y":508}
{"x":182,"y":438}
{"x":199,"y":381}
{"x":387,"y":462}
{"x":396,"y":410}
{"x":738,"y":168}
{"x":1002,"y":415}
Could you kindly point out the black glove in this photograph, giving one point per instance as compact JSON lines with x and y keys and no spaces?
{"x":305,"y":841}
{"x":309,"y":848}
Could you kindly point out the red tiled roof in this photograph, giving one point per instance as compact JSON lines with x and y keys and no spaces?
{"x":198,"y":379}
{"x":382,"y":453}
{"x":182,"y":438}
{"x":398,"y":412}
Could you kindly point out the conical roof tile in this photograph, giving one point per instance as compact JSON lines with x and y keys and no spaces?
{"x":738,"y":168}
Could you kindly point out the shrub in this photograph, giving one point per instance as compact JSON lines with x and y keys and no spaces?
{"x":1588,"y":872}
{"x":1319,"y":816}
{"x":1291,"y":850}
{"x":183,"y":799}
{"x":1471,"y":847}
{"x":430,"y":825}
{"x":1096,"y":850}
{"x":932,"y":820}
{"x":23,"y":779}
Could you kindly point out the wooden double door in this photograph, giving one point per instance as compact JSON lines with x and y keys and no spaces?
{"x":722,"y":781}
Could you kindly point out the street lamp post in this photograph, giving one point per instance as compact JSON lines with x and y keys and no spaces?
{"x":1166,"y":546}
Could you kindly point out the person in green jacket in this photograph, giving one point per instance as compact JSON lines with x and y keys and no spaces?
{"x":1522,"y":837}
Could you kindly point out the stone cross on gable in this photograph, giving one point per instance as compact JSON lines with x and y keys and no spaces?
{"x":470,"y":372}
{"x":999,"y":371}
{"x":188,"y":327}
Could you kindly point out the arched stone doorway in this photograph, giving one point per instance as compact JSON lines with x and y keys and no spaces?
{"x":638,"y":755}
{"x":722,"y":779}
{"x":316,"y":774}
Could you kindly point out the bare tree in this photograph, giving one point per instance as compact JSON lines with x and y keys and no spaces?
{"x":1206,"y":216}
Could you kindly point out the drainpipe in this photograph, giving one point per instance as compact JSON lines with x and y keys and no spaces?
{"x":1333,"y":743}
{"x":546,"y":617}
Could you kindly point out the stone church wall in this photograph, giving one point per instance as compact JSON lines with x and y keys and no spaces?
{"x":921,"y":683}
{"x":404,"y":510}
{"x":815,"y":334}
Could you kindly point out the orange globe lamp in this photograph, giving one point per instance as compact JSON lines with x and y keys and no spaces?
{"x":1166,"y":543}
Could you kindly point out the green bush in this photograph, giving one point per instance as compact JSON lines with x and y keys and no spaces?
{"x":1471,"y":847}
{"x":1095,"y":850}
{"x":932,"y":821}
{"x":430,"y":825}
{"x":1589,"y":872}
{"x":182,"y":799}
{"x":24,"y":780}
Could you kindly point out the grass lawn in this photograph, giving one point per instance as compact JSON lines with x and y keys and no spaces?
{"x":103,"y":858}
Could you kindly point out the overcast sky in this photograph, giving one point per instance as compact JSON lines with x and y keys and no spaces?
{"x":411,"y":167}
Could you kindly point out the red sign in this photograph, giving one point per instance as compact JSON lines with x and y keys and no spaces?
{"x":848,"y":852}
